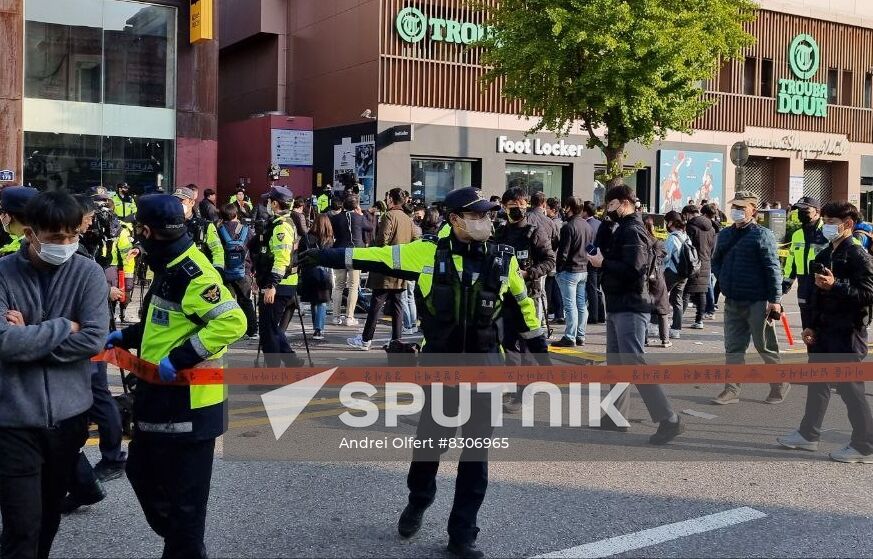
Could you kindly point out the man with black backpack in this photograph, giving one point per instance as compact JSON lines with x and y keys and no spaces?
{"x":626,"y":263}
{"x":235,"y":238}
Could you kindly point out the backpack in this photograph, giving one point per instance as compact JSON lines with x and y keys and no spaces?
{"x":234,"y":252}
{"x":688,"y":264}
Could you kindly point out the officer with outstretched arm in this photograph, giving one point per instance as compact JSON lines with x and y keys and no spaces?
{"x":462,"y":283}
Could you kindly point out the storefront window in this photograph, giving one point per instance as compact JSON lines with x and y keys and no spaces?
{"x":432,"y":179}
{"x":113,"y":51}
{"x":78,"y":162}
{"x":547,"y":179}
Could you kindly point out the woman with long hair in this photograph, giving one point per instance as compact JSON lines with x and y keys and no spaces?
{"x":658,"y":289}
{"x":317,"y":284}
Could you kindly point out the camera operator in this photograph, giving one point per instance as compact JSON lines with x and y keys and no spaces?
{"x":107,"y":243}
{"x":839,"y":315}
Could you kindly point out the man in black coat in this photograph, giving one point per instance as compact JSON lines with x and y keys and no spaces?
{"x":702,"y":235}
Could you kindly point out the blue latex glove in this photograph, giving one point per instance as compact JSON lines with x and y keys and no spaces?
{"x":113,"y":338}
{"x":166,"y":370}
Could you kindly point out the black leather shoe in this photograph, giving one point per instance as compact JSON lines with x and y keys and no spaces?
{"x":71,"y":502}
{"x":107,"y":471}
{"x":667,"y":431}
{"x":410,"y":521}
{"x":467,"y":550}
{"x":580,"y":341}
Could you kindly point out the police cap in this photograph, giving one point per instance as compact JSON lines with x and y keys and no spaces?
{"x":807,"y":202}
{"x":280,"y":194}
{"x":161,"y":212}
{"x":468,"y":200}
{"x":184,"y":193}
{"x":14,"y":198}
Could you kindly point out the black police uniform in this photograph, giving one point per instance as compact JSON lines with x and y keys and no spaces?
{"x":840,"y":318}
{"x":461,"y":291}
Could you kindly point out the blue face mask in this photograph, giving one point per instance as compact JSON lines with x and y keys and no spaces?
{"x":55,"y":254}
{"x":830,"y":231}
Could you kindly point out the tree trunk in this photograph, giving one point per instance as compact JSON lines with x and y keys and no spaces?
{"x":614,"y":165}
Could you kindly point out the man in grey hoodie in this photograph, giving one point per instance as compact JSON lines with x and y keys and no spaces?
{"x":53,"y":319}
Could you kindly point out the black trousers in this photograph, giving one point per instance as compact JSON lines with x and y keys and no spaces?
{"x":171,"y":479}
{"x":554,"y":298}
{"x":805,"y":316}
{"x":848,"y":346}
{"x":699,"y":300}
{"x":472,"y":480}
{"x":274,"y":342}
{"x":594,"y":296}
{"x":35,"y":470}
{"x":242,"y":292}
{"x":377,"y":302}
{"x":676,"y":286}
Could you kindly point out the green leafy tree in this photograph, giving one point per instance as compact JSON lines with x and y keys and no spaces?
{"x":629,"y":68}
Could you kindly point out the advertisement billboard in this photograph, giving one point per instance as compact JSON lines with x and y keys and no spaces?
{"x":689,"y":177}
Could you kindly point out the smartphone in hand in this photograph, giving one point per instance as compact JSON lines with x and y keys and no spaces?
{"x":591,"y":249}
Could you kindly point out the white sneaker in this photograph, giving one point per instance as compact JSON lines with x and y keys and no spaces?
{"x":410,"y":331}
{"x":795,"y":441}
{"x":697,"y":326}
{"x":339,"y":320}
{"x":351,"y":321}
{"x":851,"y":456}
{"x":675,"y":334}
{"x":358,"y":343}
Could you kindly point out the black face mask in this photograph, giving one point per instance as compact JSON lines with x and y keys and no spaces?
{"x":613,"y":215}
{"x":515,"y":214}
{"x":804,"y":217}
{"x":159,"y":254}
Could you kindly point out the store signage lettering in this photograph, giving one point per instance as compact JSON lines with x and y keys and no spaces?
{"x":413,"y":26}
{"x":538,"y":147}
{"x":829,"y":146}
{"x":7,"y":176}
{"x":801,"y":96}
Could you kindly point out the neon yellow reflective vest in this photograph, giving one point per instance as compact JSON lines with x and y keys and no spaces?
{"x":191,"y":318}
{"x":123,"y":209}
{"x":12,"y":246}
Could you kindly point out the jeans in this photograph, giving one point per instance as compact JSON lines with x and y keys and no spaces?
{"x":676,"y":286}
{"x":743,"y":321}
{"x":35,"y":470}
{"x":710,"y":295}
{"x":625,"y":337}
{"x":319,"y":311}
{"x":572,"y":286}
{"x":410,"y":313}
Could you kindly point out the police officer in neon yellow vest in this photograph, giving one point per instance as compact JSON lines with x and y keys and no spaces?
{"x":806,"y":243}
{"x":190,"y":319}
{"x":463,"y":283}
{"x":13,"y":199}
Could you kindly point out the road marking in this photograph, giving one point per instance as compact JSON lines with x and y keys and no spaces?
{"x":661,"y":534}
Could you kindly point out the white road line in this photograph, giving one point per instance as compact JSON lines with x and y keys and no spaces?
{"x":661,"y":534}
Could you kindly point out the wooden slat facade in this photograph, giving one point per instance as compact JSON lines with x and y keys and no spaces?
{"x":447,"y":76}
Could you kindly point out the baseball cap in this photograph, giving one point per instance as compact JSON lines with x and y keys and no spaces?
{"x":807,"y":202}
{"x":744,"y":198}
{"x":468,"y":199}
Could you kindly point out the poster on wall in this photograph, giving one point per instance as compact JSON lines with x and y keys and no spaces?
{"x":687,"y":177}
{"x":356,"y":160}
{"x":291,"y":148}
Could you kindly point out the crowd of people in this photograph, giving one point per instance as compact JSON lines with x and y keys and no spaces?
{"x":470,"y":275}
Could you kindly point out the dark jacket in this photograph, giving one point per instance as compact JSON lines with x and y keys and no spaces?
{"x":551,"y":229}
{"x":575,"y":235}
{"x":746,"y":264}
{"x":209,"y":211}
{"x":702,"y":235}
{"x":533,"y":250}
{"x":626,"y":262}
{"x":657,"y":283}
{"x":300,"y":226}
{"x":348,"y":229}
{"x":395,"y":228}
{"x":847,"y":304}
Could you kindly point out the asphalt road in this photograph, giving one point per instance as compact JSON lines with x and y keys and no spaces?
{"x":724,"y":489}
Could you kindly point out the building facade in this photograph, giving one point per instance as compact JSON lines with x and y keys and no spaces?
{"x":395,"y":96}
{"x":106,"y":91}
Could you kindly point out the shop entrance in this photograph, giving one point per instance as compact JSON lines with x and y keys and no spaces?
{"x":548,"y":179}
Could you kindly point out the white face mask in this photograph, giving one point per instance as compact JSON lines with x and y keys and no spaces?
{"x":56,"y":254}
{"x":477,"y":229}
{"x":830,"y":231}
{"x":738,"y":216}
